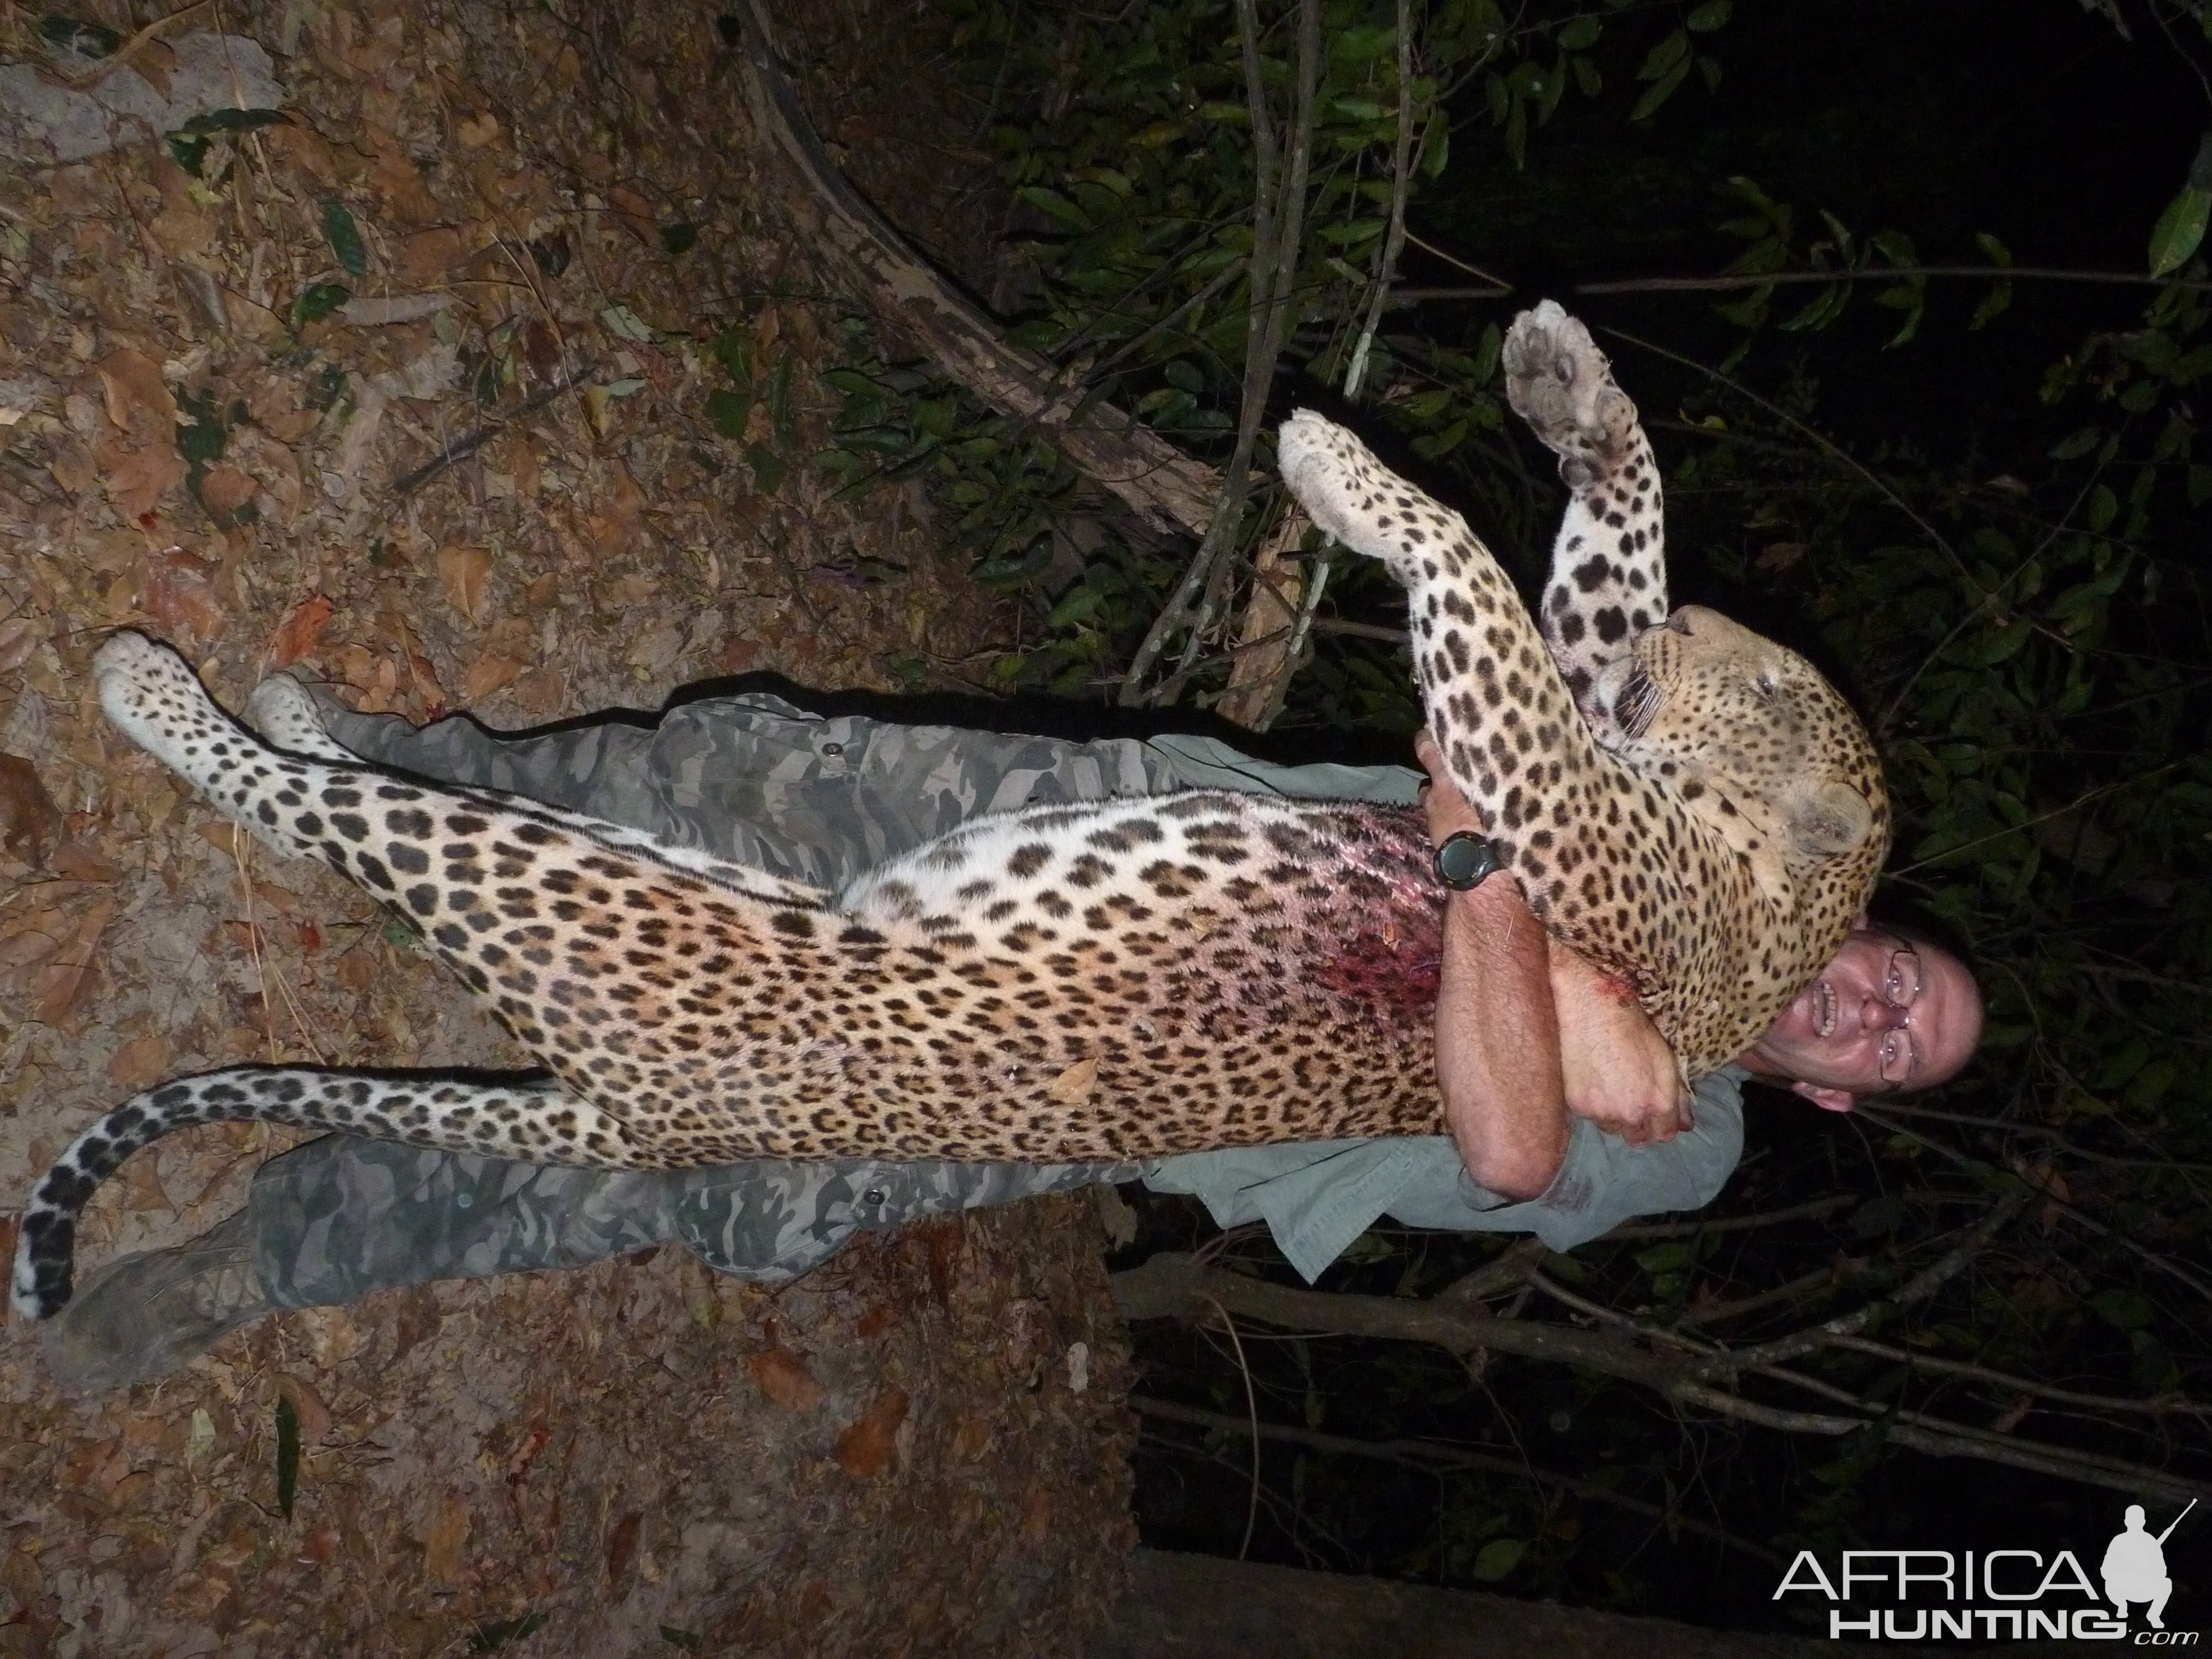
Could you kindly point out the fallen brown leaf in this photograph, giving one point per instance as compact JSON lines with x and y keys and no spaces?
{"x":29,"y":820}
{"x":136,"y":479}
{"x":301,"y":627}
{"x":636,"y":214}
{"x":867,"y":1449}
{"x":1076,"y":1084}
{"x":783,"y":1377}
{"x":308,"y":1405}
{"x":225,"y":490}
{"x":138,"y":400}
{"x":464,"y":573}
{"x":477,"y":131}
{"x":78,"y":862}
{"x":429,"y":254}
{"x":445,"y":1546}
{"x":622,"y":1549}
{"x":178,"y":591}
{"x":63,"y":987}
{"x":19,"y":637}
{"x":488,"y":673}
{"x":136,"y":1064}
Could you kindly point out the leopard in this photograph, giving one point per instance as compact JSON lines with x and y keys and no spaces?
{"x":1103,"y":981}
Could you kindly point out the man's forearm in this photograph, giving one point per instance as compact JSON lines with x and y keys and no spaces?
{"x":1497,"y":1042}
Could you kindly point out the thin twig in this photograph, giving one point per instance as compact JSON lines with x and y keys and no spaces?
{"x":1278,"y":225}
{"x":1874,"y":274}
{"x":461,"y":448}
{"x":1251,"y":1405}
{"x":1428,"y":1454}
{"x":1918,"y":1288}
{"x":1394,"y":241}
{"x":2072,"y":1212}
{"x":2171,"y":1406}
{"x":1820,"y":438}
{"x":1811,"y":1210}
{"x":115,"y":60}
{"x":1453,"y":259}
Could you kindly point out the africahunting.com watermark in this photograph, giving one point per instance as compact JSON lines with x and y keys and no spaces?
{"x":1992,"y":1596}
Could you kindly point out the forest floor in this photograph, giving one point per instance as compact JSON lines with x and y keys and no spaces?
{"x":407,"y":394}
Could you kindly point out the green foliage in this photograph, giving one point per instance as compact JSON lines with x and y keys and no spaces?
{"x":2021,"y":616}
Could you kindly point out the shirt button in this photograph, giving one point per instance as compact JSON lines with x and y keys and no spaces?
{"x":873,"y":1197}
{"x":833,"y":749}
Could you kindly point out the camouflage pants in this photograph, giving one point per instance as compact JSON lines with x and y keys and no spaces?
{"x":751,"y":778}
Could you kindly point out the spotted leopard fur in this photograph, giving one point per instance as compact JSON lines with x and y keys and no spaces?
{"x":1116,"y":980}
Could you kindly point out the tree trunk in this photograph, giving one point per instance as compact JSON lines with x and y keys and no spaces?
{"x":1198,"y":1607}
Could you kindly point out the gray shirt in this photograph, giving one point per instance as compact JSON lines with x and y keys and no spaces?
{"x":1318,"y":1196}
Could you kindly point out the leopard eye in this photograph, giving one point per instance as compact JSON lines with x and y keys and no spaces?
{"x":1767,"y":686}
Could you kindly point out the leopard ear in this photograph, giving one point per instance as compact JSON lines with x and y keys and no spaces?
{"x":1829,"y":818}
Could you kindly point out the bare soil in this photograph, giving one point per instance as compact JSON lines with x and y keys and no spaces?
{"x":484,"y":478}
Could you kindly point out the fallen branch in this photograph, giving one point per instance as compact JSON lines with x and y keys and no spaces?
{"x":1177,"y":1286}
{"x":1162,"y":485}
{"x":1278,"y":226}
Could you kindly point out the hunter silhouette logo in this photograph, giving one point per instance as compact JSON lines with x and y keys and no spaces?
{"x":2135,"y":1566}
{"x":2016,"y":1595}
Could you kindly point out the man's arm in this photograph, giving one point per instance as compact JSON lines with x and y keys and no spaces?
{"x":1528,"y":1031}
{"x":1497,"y":1042}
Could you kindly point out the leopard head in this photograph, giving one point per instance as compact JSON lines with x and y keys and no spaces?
{"x":1756,"y":744}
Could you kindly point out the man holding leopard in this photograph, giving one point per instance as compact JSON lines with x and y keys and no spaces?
{"x":1564,"y":1103}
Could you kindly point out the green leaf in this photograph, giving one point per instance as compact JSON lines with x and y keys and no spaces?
{"x":1669,"y":1258}
{"x":1993,"y":305}
{"x":83,"y":39}
{"x":1998,"y":253}
{"x":317,"y":301}
{"x":1497,"y":1558}
{"x":734,"y":347}
{"x":232,"y":120}
{"x":729,"y":410}
{"x":1581,"y":34}
{"x":2078,"y":443}
{"x":1669,"y":57}
{"x":344,"y":236}
{"x":1053,"y":205}
{"x":495,"y":1634}
{"x":2179,"y":230}
{"x":689,"y":1641}
{"x":1711,"y":15}
{"x":768,"y":467}
{"x":1648,"y":105}
{"x":287,"y":1454}
{"x":2130,"y":1309}
{"x":187,"y":152}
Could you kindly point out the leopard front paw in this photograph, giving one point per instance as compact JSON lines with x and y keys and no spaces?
{"x":1355,"y":498}
{"x":1560,"y":383}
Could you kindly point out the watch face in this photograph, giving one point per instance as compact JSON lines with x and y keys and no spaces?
{"x":1464,"y":859}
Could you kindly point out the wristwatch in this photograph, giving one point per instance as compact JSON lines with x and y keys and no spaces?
{"x":1463,"y":858}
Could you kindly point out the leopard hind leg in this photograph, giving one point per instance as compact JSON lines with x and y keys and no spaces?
{"x":534,"y":1120}
{"x":286,"y":713}
{"x":1608,"y":581}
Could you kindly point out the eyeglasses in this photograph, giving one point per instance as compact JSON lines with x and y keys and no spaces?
{"x":1900,"y":990}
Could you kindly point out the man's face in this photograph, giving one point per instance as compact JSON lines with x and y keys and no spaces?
{"x":1885,"y":1016}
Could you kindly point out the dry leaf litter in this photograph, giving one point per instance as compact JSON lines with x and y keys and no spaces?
{"x":405,"y":393}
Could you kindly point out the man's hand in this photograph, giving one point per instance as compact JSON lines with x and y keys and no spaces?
{"x":1618,"y":1071}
